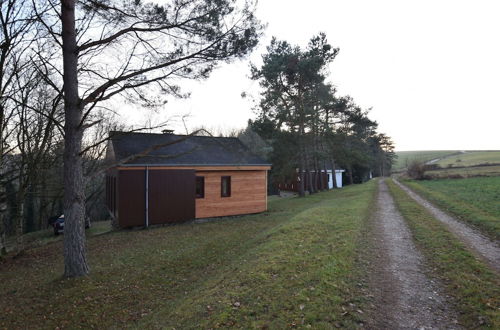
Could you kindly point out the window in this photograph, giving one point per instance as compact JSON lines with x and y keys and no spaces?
{"x":225,"y":187}
{"x":200,"y":187}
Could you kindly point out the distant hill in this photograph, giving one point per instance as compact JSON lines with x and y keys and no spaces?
{"x":471,"y":158}
{"x":405,"y":157}
{"x":448,"y":158}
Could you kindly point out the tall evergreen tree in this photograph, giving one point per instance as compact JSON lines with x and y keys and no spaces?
{"x":289,"y":78}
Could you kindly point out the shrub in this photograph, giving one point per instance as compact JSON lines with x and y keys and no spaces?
{"x":416,"y":170}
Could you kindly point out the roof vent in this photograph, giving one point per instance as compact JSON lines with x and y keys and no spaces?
{"x":168,"y":131}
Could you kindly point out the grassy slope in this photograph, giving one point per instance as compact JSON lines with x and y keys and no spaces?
{"x":405,"y":157}
{"x":471,"y":158}
{"x":292,"y":265}
{"x":43,"y":237}
{"x":475,"y":200}
{"x":476,"y":289}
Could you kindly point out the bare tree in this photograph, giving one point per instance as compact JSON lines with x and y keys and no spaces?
{"x":16,"y":36}
{"x":139,"y":50}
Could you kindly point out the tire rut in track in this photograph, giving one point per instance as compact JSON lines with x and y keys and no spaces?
{"x":478,"y":243}
{"x":404,"y":297}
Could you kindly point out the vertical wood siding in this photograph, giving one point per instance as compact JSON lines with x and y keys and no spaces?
{"x":131,"y":198}
{"x":171,"y":196}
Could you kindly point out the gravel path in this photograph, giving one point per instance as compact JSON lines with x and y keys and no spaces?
{"x":477,"y":242}
{"x":405,"y":297}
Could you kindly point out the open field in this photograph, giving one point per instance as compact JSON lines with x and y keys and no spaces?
{"x":471,"y":158}
{"x":404,"y":157}
{"x":475,"y":287}
{"x":294,"y":265}
{"x":465,"y":172}
{"x":474,"y":200}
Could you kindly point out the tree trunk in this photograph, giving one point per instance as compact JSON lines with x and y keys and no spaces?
{"x":3,"y":247}
{"x":316,"y":175}
{"x":301,"y":177}
{"x":3,"y":203}
{"x":334,"y":174}
{"x":75,"y":259}
{"x":327,"y":182}
{"x":308,"y":172}
{"x":349,"y":169}
{"x":319,"y":179}
{"x":302,"y":155}
{"x":309,"y":180}
{"x":19,"y":222}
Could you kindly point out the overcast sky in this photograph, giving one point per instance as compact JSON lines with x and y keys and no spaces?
{"x":429,"y":69}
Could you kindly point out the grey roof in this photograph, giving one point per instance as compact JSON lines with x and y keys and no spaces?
{"x":189,"y":151}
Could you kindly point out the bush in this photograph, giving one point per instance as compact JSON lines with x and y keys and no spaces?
{"x":416,"y":170}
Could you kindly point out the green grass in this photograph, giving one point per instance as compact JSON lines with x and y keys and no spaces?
{"x":465,"y":172}
{"x":292,"y":266}
{"x":46,"y":236}
{"x":475,"y":288}
{"x":405,"y":157}
{"x":474,"y":200}
{"x":471,"y":158}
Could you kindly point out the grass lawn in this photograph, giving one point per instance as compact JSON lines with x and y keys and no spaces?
{"x":476,"y":288}
{"x":404,"y":157}
{"x":471,"y":158}
{"x":475,"y":200}
{"x":294,"y":265}
{"x":43,"y":237}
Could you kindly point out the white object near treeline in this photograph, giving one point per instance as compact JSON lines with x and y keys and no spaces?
{"x":338,"y":178}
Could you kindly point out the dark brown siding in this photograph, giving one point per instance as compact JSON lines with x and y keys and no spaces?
{"x":111,"y":191}
{"x":171,"y":196}
{"x":131,"y":198}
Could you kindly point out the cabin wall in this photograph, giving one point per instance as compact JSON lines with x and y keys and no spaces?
{"x":248,"y":194}
{"x":131,"y":198}
{"x":126,"y":194}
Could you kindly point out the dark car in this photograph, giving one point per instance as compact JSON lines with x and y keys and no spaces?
{"x":59,"y":225}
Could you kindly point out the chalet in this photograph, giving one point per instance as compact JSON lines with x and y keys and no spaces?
{"x":167,"y":178}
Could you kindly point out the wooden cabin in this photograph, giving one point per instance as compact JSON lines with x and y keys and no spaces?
{"x":167,"y":178}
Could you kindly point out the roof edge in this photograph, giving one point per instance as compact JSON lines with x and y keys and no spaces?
{"x":190,"y":165}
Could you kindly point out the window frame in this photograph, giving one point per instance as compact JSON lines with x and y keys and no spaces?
{"x":226,"y":178}
{"x":202,"y":180}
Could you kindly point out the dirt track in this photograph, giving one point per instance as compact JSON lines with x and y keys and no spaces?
{"x":405,"y":298}
{"x":477,"y":242}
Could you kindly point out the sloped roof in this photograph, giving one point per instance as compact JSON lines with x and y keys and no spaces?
{"x":181,"y":150}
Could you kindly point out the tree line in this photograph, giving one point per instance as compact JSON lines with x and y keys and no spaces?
{"x":311,"y":128}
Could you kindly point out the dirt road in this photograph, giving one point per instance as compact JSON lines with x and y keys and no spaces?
{"x":405,"y":297}
{"x":479,"y":244}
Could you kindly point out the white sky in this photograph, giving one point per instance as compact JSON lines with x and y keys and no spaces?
{"x":429,"y":69}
